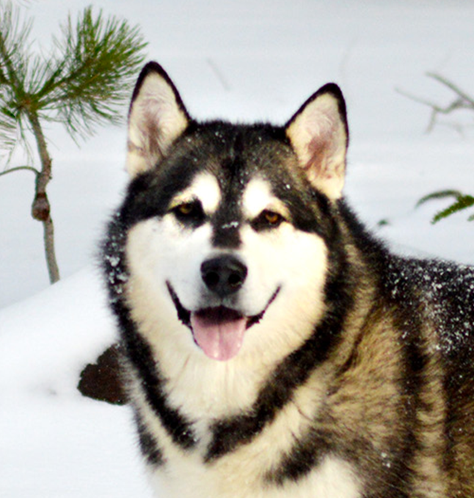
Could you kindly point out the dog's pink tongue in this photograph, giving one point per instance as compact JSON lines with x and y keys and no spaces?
{"x":219,"y":332}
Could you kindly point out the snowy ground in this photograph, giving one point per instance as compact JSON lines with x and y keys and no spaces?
{"x":245,"y":60}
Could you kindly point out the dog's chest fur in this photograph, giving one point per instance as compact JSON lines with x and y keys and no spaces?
{"x":246,"y":469}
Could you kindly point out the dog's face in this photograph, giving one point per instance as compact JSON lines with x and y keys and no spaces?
{"x":226,"y":249}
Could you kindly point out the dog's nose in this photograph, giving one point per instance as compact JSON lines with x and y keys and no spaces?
{"x":223,"y":275}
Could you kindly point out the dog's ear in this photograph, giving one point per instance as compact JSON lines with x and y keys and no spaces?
{"x":157,"y":117}
{"x":319,"y":135}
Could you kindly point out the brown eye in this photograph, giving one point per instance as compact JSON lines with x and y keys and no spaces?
{"x":267,"y":220}
{"x":272,"y":218}
{"x":190,"y":213}
{"x":186,"y":209}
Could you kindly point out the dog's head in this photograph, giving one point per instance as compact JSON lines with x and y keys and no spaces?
{"x":227,"y":224}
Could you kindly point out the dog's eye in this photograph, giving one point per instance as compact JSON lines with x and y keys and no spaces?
{"x":186,"y":209}
{"x":272,"y":218}
{"x":189,"y":212}
{"x":267,"y":219}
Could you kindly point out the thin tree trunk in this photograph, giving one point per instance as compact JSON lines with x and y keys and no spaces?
{"x":41,"y":209}
{"x":51,"y":262}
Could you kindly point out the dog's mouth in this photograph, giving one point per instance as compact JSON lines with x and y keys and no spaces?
{"x":218,"y":331}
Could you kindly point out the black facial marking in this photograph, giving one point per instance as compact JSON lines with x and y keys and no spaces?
{"x":226,"y":235}
{"x":227,"y":221}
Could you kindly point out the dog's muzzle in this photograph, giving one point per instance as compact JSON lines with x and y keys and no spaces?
{"x":217,"y":329}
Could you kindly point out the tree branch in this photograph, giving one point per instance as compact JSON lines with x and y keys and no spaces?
{"x":463,"y":95}
{"x":461,"y":101}
{"x":20,"y":168}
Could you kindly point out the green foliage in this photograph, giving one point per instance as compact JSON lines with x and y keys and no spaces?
{"x":81,"y":83}
{"x":461,"y":202}
{"x":95,"y":75}
{"x":13,"y":43}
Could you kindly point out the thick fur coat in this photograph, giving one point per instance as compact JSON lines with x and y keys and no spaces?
{"x":273,"y":347}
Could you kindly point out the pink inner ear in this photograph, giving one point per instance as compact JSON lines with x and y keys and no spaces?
{"x":316,"y":151}
{"x":323,"y":150}
{"x":157,"y":117}
{"x":319,"y":137}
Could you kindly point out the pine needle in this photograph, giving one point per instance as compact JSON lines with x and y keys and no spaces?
{"x":83,"y":83}
{"x":463,"y":202}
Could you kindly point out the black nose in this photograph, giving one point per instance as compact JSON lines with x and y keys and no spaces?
{"x":223,"y":275}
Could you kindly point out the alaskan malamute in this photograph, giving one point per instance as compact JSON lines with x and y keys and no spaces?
{"x":273,"y":347}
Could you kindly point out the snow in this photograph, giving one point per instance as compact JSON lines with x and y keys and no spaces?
{"x":246,"y":60}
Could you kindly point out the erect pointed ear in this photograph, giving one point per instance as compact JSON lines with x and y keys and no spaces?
{"x":319,"y":135}
{"x":157,"y":117}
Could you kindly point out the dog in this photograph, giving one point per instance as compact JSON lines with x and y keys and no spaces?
{"x":274,"y":348}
